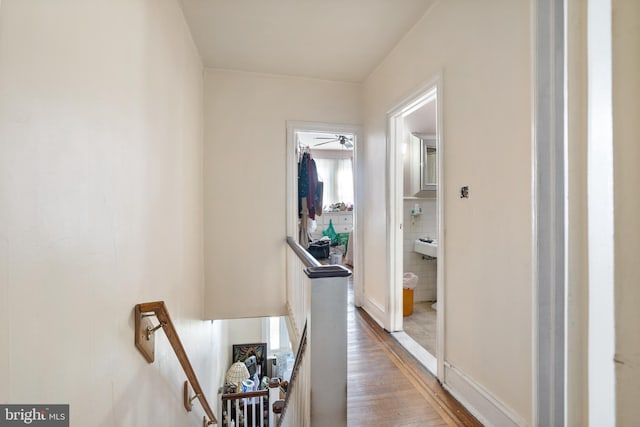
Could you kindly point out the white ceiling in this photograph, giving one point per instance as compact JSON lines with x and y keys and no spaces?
{"x":340,"y":40}
{"x":423,"y":120}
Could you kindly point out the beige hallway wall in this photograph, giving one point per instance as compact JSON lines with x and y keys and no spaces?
{"x":100,"y":208}
{"x":245,"y":167}
{"x":483,"y":51}
{"x":626,"y":140}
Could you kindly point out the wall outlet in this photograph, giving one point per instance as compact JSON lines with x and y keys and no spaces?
{"x":464,"y":192}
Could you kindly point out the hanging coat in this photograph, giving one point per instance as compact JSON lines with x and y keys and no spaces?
{"x":303,"y":179}
{"x":318,"y":198}
{"x":312,"y":183}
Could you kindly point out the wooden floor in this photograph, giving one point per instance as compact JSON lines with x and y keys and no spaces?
{"x":388,"y":387}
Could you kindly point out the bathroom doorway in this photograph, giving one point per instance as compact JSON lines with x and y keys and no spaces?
{"x":416,"y":246}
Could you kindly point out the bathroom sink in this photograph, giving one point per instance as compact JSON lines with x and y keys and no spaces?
{"x":426,"y":247}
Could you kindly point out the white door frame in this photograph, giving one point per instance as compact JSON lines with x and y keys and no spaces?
{"x":395,"y":131}
{"x":601,"y":219}
{"x":292,"y":191}
{"x":552,"y":216}
{"x":549,"y":174}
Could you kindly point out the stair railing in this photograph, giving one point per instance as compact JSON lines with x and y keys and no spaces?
{"x":295,"y":392}
{"x":317,"y":306}
{"x":252,"y":408}
{"x":144,"y":341}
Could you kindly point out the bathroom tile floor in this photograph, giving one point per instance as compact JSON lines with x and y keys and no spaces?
{"x":421,"y":325}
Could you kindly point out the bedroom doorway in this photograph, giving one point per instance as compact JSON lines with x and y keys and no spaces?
{"x":334,"y":149}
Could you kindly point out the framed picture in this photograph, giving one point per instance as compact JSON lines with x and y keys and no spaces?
{"x":240,"y":352}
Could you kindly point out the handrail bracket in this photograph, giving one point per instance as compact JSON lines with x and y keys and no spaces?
{"x":188,"y":400}
{"x":151,"y":331}
{"x":145,"y":343}
{"x":145,"y":337}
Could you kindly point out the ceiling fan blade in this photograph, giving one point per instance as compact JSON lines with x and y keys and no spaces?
{"x":348,"y":144}
{"x":325,"y":137}
{"x":325,"y":142}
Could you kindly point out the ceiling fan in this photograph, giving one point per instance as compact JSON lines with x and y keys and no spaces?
{"x":345,"y":141}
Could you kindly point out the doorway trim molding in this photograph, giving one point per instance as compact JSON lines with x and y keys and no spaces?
{"x":292,"y":189}
{"x":394,"y":234}
{"x":601,"y":232}
{"x":549,"y":258}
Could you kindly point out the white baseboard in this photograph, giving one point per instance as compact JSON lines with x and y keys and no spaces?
{"x":416,"y":350}
{"x":375,"y":310}
{"x":485,"y":407}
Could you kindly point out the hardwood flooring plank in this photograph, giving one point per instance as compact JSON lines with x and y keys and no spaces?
{"x":388,"y":387}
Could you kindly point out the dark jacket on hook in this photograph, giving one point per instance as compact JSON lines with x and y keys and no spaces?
{"x":308,"y":186}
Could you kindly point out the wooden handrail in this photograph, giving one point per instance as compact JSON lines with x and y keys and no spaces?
{"x":245,"y":395}
{"x":159,"y":309}
{"x":294,"y":373}
{"x":307,"y":259}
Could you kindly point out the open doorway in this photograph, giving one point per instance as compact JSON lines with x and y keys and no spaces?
{"x":334,"y":150}
{"x":416,"y":282}
{"x":332,"y":155}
